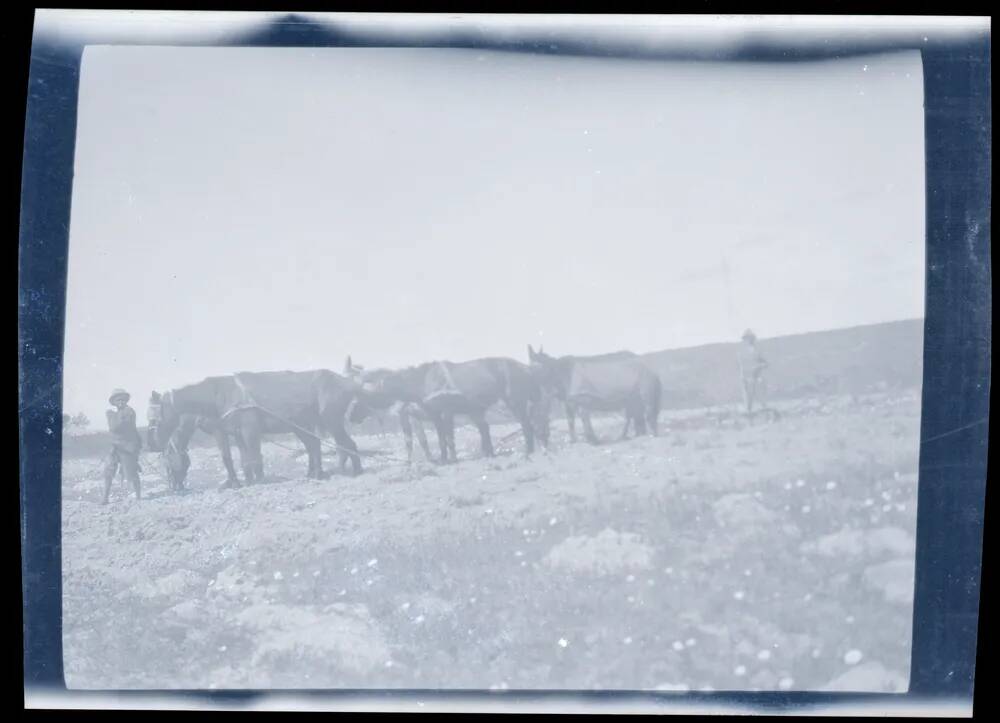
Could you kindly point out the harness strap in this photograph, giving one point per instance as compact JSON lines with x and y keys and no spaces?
{"x":364,"y":453}
{"x":449,"y":380}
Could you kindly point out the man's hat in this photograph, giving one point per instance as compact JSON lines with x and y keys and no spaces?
{"x":119,"y":393}
{"x":748,"y":334}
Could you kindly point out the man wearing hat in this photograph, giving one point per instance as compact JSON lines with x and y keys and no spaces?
{"x":752,"y":366}
{"x":125,"y":443}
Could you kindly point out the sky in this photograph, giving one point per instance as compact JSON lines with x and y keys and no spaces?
{"x":280,"y":208}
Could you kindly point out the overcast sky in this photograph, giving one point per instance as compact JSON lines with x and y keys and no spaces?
{"x":254,"y":209}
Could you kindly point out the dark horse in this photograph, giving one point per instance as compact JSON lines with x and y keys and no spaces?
{"x":174,"y":450}
{"x":173,"y":418}
{"x":411,"y":415}
{"x":605,"y":382}
{"x":440,"y":390}
{"x":248,"y":405}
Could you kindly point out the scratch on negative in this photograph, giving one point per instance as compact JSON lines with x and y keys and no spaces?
{"x":956,"y":430}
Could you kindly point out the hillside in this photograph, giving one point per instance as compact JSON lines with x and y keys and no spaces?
{"x":856,"y":360}
{"x":717,"y":556}
{"x":841,"y":361}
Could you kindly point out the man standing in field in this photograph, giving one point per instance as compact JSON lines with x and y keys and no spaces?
{"x":125,"y":444}
{"x":752,"y":366}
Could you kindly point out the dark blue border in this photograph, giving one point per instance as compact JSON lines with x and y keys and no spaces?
{"x":957,"y":353}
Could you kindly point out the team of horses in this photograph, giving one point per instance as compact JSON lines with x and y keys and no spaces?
{"x":314,"y":405}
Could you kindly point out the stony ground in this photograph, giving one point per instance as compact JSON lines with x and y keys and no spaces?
{"x":715,"y":556}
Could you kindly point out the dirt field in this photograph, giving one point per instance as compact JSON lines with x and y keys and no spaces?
{"x":715,"y":556}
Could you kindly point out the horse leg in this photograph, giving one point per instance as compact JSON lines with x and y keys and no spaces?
{"x":348,"y":448}
{"x":253,"y":460}
{"x":524,"y":413}
{"x":315,"y":454}
{"x":628,"y":420}
{"x":571,"y":421}
{"x":241,"y":446}
{"x":246,"y":455}
{"x":449,"y":427}
{"x":639,"y":415}
{"x":310,"y":457}
{"x":588,"y":428}
{"x":406,"y":425}
{"x":635,"y":411}
{"x":422,"y":439}
{"x":486,"y":443}
{"x":442,"y":433}
{"x":318,"y":451}
{"x":222,"y":440}
{"x":528,"y":428}
{"x":653,"y":411}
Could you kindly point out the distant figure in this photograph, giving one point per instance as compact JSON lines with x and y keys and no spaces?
{"x":752,"y":366}
{"x":125,"y":444}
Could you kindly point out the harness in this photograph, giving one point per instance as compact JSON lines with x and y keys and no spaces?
{"x":452,"y":389}
{"x":172,"y":446}
{"x":154,"y":413}
{"x":249,"y":404}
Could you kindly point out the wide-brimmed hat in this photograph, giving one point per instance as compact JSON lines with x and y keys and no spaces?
{"x":119,"y":393}
{"x":748,"y":334}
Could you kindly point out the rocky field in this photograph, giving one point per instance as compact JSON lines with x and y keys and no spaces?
{"x":718,"y":555}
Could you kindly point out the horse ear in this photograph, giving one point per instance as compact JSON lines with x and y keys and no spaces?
{"x":347,"y":365}
{"x":531,"y":352}
{"x":541,"y":348}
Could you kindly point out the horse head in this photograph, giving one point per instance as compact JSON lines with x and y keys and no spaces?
{"x":162,"y":419}
{"x":380,"y":388}
{"x":176,"y":462}
{"x":551,"y":372}
{"x":369,"y":396}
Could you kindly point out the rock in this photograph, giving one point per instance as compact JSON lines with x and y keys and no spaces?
{"x":467,"y":499}
{"x":176,"y":584}
{"x":432,"y":605}
{"x":894,"y":579}
{"x":743,"y":513}
{"x":892,"y":540}
{"x":870,"y":677}
{"x":189,"y":611}
{"x":344,"y":636}
{"x":606,"y":553}
{"x":850,"y":542}
{"x":235,"y":583}
{"x":845,"y":542}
